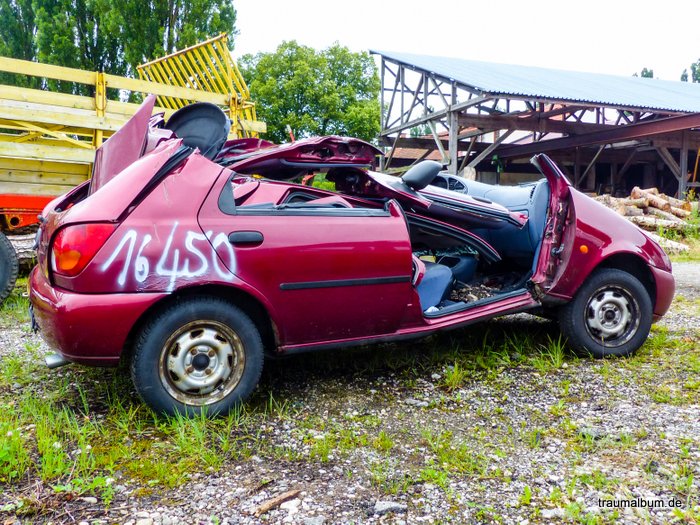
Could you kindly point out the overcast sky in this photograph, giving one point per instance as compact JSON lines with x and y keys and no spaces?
{"x":619,"y":37}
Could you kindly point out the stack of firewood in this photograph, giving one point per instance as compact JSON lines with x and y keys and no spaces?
{"x":651,"y":210}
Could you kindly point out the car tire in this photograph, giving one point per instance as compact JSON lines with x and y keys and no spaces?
{"x":200,"y":356}
{"x":610,"y":315}
{"x":9,"y":267}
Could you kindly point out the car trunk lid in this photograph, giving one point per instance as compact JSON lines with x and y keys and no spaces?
{"x":292,"y":160}
{"x":123,"y":148}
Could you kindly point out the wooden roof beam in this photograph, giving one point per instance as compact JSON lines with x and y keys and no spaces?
{"x":617,"y":134}
{"x":530,"y":124}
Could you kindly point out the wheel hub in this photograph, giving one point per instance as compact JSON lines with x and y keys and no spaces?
{"x":202,"y":362}
{"x":611,"y":316}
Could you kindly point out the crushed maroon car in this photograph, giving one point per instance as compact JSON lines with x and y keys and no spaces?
{"x":194,"y":257}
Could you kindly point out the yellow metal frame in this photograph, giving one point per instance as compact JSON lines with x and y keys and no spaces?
{"x":40,"y":128}
{"x":206,"y":67}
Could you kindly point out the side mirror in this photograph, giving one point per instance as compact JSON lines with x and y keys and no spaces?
{"x":422,"y":174}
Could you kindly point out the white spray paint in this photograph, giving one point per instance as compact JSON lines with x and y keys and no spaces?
{"x":171,"y":263}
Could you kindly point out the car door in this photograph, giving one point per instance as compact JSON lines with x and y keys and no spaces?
{"x":327,"y":273}
{"x":557,"y":241}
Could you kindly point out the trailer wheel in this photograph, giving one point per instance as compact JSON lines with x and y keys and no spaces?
{"x":9,"y":266}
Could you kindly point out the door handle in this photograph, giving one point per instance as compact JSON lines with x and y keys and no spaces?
{"x":244,"y":238}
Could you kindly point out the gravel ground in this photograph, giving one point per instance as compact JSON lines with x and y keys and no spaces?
{"x":516,"y":444}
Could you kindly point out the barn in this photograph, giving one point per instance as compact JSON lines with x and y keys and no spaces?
{"x":485,"y":120}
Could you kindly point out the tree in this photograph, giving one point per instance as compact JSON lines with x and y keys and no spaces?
{"x":113,"y":36}
{"x":333,"y":91}
{"x":646,"y":73}
{"x":694,"y":72}
{"x":17,"y":32}
{"x":168,"y":25}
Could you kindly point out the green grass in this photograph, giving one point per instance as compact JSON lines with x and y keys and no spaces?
{"x":15,"y":309}
{"x":690,"y":236}
{"x":455,"y":376}
{"x":526,"y":497}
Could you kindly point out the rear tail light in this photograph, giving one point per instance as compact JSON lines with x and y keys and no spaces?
{"x":76,"y":245}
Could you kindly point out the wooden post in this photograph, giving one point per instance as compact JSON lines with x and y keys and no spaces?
{"x":683,"y":181}
{"x":453,"y":123}
{"x":381,"y":98}
{"x":613,"y":176}
{"x":100,"y":105}
{"x":453,"y":143}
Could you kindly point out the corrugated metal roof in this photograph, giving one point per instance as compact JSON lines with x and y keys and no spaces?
{"x":559,"y":85}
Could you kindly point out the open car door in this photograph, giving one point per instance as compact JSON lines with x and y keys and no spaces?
{"x":557,"y":242}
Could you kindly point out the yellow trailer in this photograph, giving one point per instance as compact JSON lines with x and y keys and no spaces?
{"x":48,"y":139}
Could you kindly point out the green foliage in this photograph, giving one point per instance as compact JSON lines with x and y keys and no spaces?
{"x":526,"y":497}
{"x":105,"y":35}
{"x":17,"y":28}
{"x":383,"y":442}
{"x":455,"y":376}
{"x":694,"y":72}
{"x":332,"y":91}
{"x":15,"y":308}
{"x":14,"y":456}
{"x":646,"y":73}
{"x":156,"y":28}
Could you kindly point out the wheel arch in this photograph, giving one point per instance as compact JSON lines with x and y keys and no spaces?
{"x":635,"y":266}
{"x":251,"y":306}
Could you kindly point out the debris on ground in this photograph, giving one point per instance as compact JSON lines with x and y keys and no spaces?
{"x":471,"y":293}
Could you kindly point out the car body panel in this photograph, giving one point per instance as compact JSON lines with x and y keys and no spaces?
{"x":417,"y":326}
{"x":160,"y":255}
{"x":665,"y":287}
{"x":557,"y":239}
{"x":90,"y":329}
{"x":291,"y":160}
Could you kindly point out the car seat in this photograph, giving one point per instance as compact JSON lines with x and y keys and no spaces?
{"x":435,"y":284}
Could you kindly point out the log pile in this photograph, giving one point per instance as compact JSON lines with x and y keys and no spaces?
{"x":651,"y":210}
{"x":24,"y":248}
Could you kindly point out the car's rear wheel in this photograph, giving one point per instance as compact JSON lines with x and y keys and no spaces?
{"x":610,"y":315}
{"x":200,"y":355}
{"x":9,"y":266}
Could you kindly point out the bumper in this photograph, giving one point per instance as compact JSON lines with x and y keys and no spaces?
{"x":87,"y":329}
{"x":665,"y":288}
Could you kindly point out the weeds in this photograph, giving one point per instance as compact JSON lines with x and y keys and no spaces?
{"x":455,"y":377}
{"x":550,"y":355}
{"x":526,"y":497}
{"x":14,"y":455}
{"x":383,"y":442}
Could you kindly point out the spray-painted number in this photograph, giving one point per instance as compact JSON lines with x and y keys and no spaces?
{"x":197,"y":259}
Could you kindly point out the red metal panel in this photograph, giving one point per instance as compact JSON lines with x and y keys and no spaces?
{"x":22,"y":210}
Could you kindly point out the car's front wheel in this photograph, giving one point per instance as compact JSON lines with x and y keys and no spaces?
{"x":610,"y":315}
{"x":200,"y":355}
